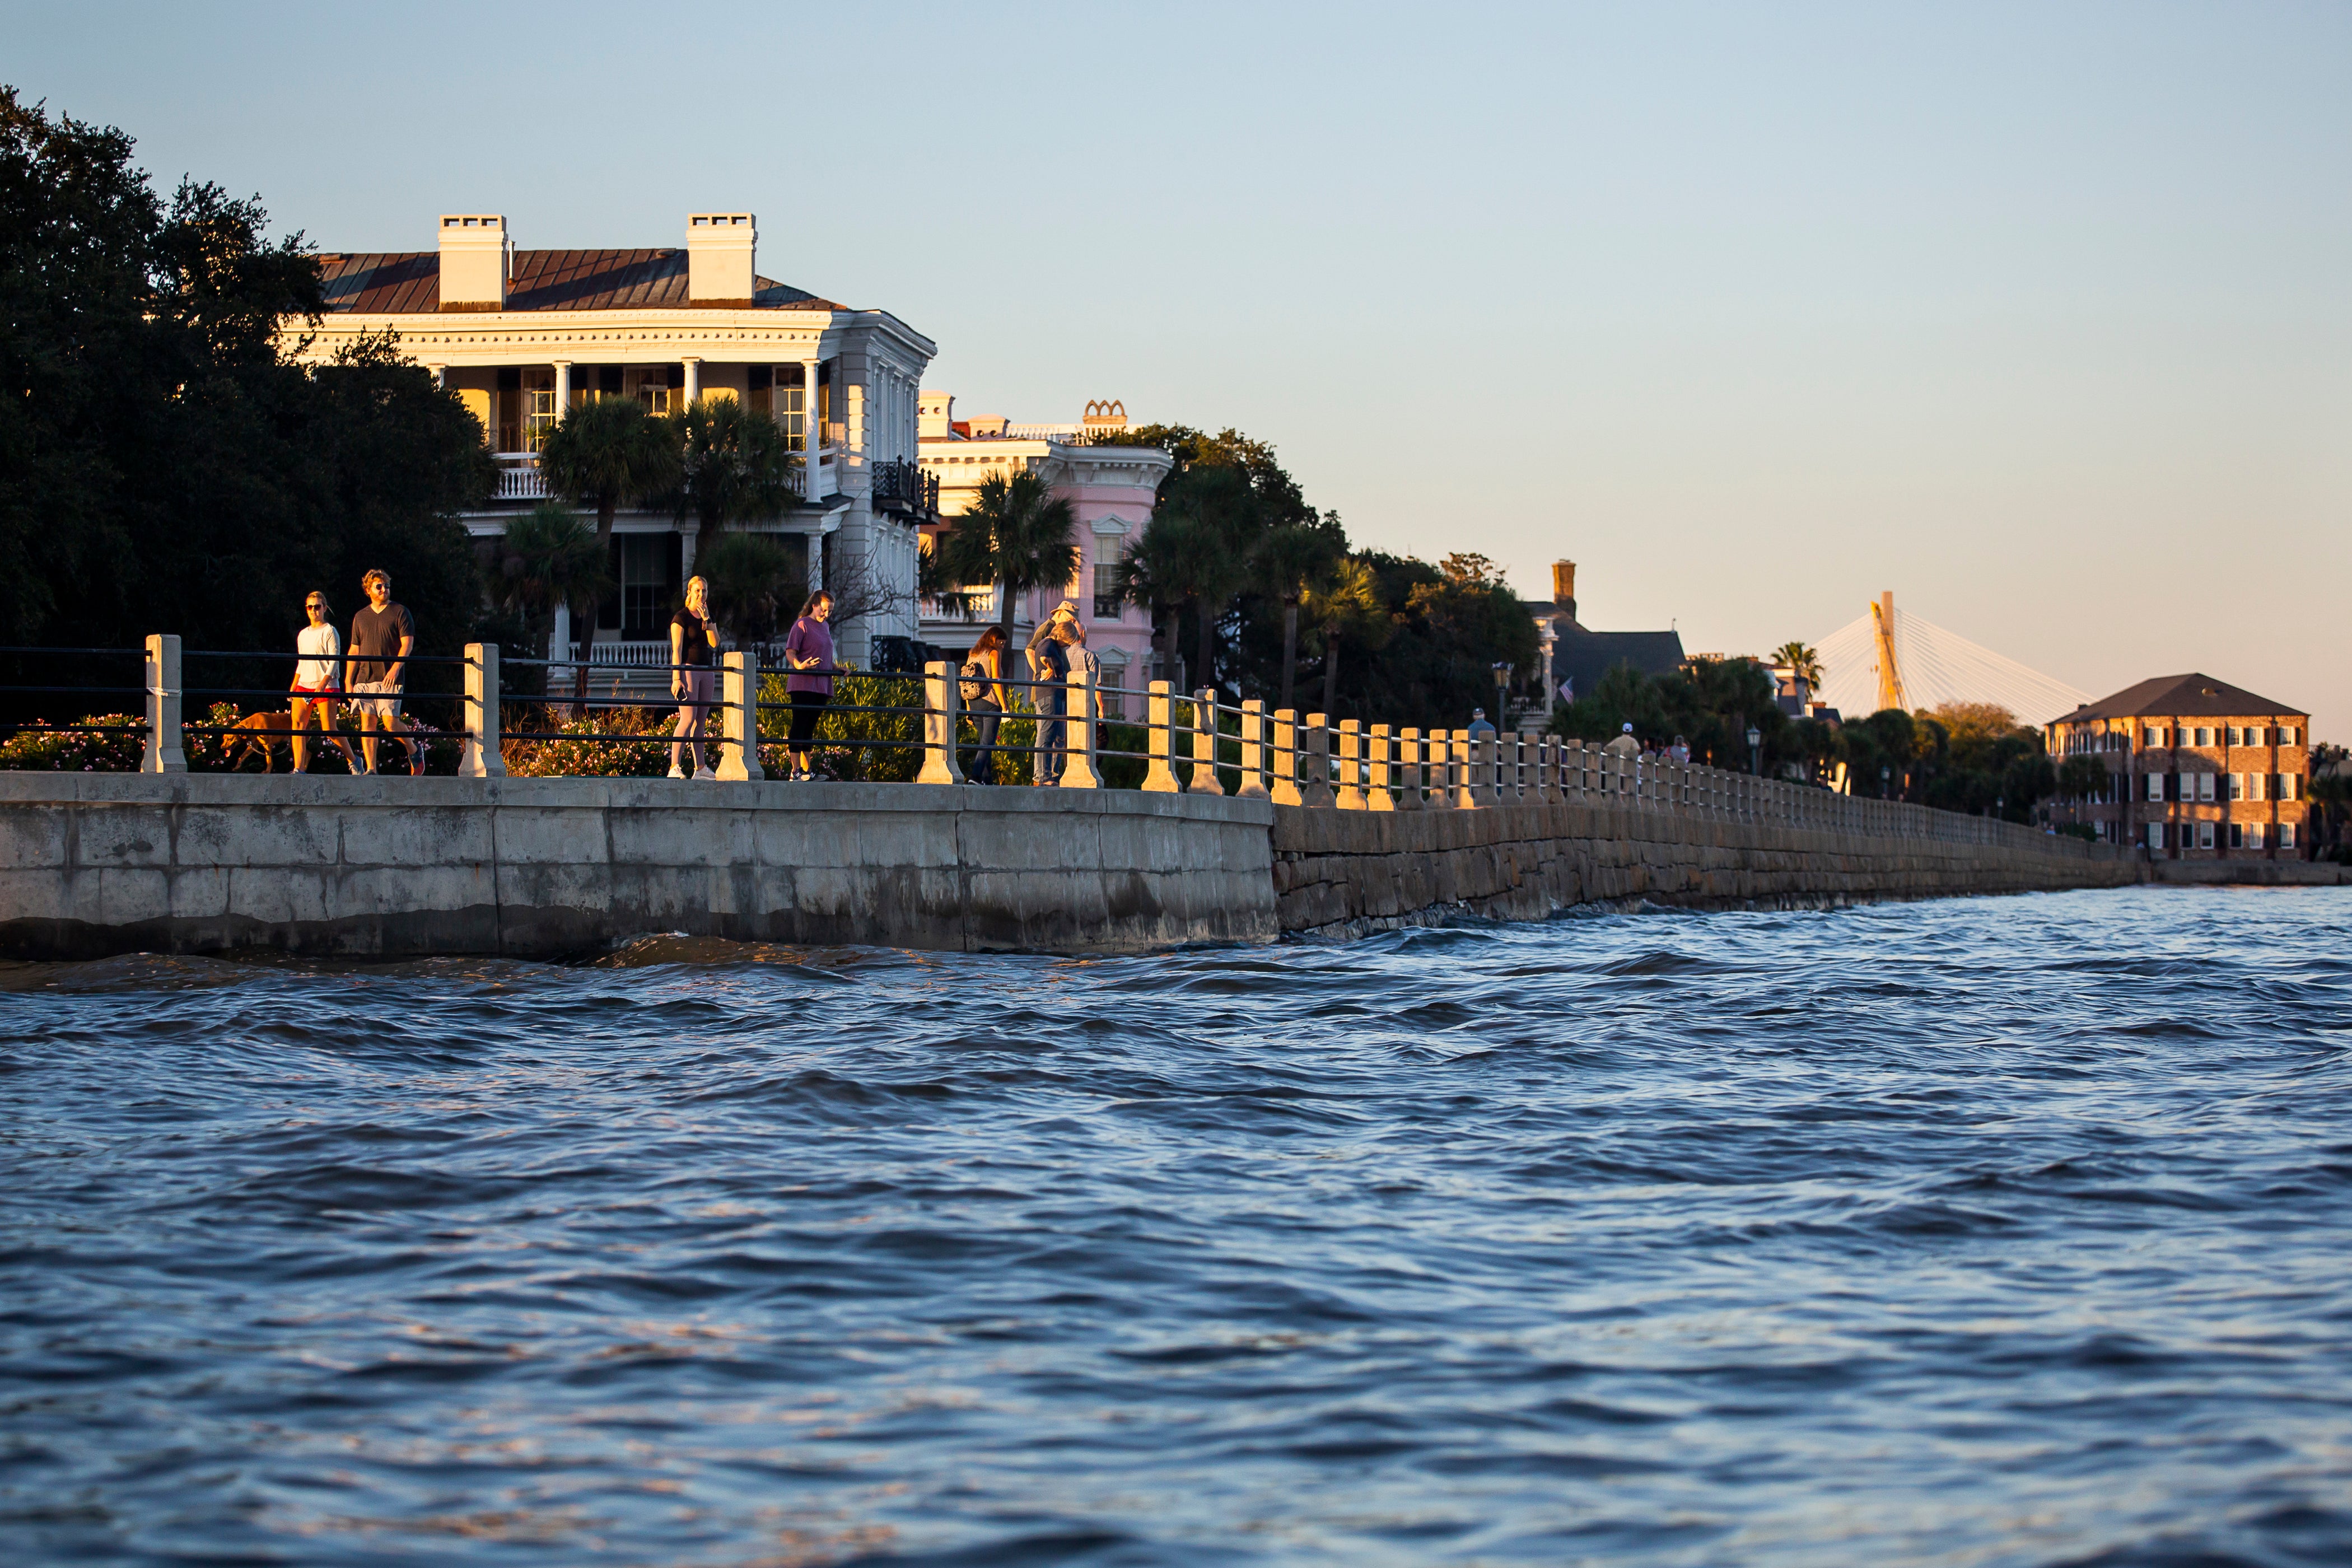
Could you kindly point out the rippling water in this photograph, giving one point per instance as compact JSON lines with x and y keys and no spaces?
{"x":1993,"y":1231}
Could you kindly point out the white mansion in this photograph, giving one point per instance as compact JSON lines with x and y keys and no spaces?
{"x":525,"y":336}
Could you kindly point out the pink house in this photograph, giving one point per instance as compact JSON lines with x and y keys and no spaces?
{"x":1110,"y":487}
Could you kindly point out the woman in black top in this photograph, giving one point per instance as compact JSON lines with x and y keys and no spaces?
{"x":693,"y":670}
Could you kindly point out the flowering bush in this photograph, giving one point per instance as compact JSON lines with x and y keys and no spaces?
{"x":583,"y":758}
{"x":43,"y":747}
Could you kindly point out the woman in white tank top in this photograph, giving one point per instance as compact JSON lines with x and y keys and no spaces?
{"x":318,"y":678}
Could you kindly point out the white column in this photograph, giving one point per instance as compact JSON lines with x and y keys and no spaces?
{"x":163,"y":753}
{"x":940,"y":693}
{"x":481,"y":757}
{"x":811,"y":434}
{"x":562,"y":389}
{"x":693,"y":378}
{"x":739,"y":752}
{"x":689,"y":533}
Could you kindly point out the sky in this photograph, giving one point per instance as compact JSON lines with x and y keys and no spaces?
{"x":2038,"y":315}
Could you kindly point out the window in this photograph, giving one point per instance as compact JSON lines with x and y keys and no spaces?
{"x":2205,"y":832}
{"x":2237,"y":836}
{"x":538,"y":406}
{"x":1107,"y":602}
{"x":2254,"y":836}
{"x":2230,"y":736}
{"x":2204,"y":788}
{"x":2289,"y":787}
{"x":2237,"y":786}
{"x":2287,"y":732}
{"x":2254,"y":787}
{"x":2287,"y":835}
{"x":2156,"y":836}
{"x":655,"y":390}
{"x":2156,"y":736}
{"x":2204,"y":736}
{"x":1114,"y":678}
{"x":2155,"y":786}
{"x":790,"y":401}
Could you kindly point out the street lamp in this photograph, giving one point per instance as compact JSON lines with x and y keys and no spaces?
{"x":1502,"y":667}
{"x":1884,"y":774}
{"x":1755,"y":751}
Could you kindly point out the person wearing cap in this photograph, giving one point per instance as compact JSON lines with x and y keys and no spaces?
{"x":1481,"y":728}
{"x":1624,"y":746}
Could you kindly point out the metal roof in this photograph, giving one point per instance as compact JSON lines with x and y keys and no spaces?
{"x":407,"y":283}
{"x":2191,"y":696}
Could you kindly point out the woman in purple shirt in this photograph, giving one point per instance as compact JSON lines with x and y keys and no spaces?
{"x":808,"y":656}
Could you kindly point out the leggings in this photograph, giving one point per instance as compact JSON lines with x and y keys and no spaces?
{"x":806,"y":708}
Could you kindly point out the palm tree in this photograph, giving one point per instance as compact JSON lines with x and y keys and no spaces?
{"x":608,"y":453}
{"x":735,"y":465}
{"x":1017,"y":534}
{"x":1804,"y":664}
{"x":1287,"y":558}
{"x":549,"y":557}
{"x":752,"y":578}
{"x":1216,"y":516}
{"x":1346,"y":605}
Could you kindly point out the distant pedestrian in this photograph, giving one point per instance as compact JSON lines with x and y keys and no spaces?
{"x":808,"y":658}
{"x":1480,"y":728}
{"x":1624,"y":746}
{"x":1679,"y":752}
{"x":1064,"y":613}
{"x":1051,"y":659}
{"x":1072,"y":635}
{"x":981,"y":686}
{"x":693,"y":670}
{"x":318,"y":682}
{"x":382,"y":637}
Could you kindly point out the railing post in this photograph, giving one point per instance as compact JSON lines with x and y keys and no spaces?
{"x":1515,"y":792}
{"x":739,"y":717}
{"x":1438,"y":747}
{"x":1351,"y":766}
{"x":1465,"y":771}
{"x":1077,"y":731}
{"x":1412,"y":796}
{"x":1547,"y":771}
{"x":163,"y":754}
{"x":480,"y":758}
{"x":1286,"y":758}
{"x":940,"y":694}
{"x":1158,"y":714}
{"x":1205,"y":743}
{"x":1253,"y":780}
{"x":1377,"y":795}
{"x":1314,"y":762}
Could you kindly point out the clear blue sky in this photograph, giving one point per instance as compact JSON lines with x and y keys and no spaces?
{"x":2039,"y":315}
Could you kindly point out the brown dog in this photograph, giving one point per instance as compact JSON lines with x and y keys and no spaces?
{"x":264,"y":731}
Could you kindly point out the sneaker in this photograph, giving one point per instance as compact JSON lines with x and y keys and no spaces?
{"x":707,"y":775}
{"x":676,"y":771}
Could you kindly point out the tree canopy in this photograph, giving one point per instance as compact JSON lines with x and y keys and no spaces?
{"x":165,"y":464}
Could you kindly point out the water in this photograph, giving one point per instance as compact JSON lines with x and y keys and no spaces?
{"x":1981,"y":1232}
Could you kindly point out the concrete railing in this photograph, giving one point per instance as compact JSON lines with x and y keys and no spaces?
{"x":1281,"y":756}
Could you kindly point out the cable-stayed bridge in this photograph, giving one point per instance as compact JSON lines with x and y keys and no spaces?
{"x":1932,"y":666}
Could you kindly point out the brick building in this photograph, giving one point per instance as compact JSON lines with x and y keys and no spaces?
{"x":2197,"y":768}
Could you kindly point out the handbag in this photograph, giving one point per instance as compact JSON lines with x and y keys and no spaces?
{"x":974,"y":685}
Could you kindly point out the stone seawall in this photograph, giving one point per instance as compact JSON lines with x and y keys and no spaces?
{"x":1342,"y":873}
{"x":98,"y":863}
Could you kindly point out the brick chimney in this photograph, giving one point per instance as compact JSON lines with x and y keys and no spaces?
{"x":1563,"y":586}
{"x":475,"y":261}
{"x":718,"y":260}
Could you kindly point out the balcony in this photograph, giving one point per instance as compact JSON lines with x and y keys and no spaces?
{"x":828,"y":475}
{"x":903,"y":487}
{"x":519,"y":477}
